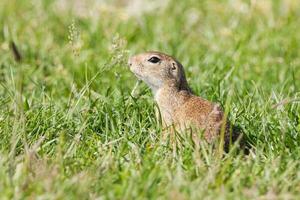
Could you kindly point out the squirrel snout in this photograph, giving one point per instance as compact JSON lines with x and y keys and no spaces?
{"x":132,"y":61}
{"x":129,"y":62}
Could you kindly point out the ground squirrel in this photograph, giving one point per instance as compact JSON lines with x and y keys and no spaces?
{"x":178,"y":106}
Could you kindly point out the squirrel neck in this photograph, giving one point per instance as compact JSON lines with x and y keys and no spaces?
{"x":169,"y":97}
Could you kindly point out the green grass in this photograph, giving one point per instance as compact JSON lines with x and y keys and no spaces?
{"x":69,"y":128}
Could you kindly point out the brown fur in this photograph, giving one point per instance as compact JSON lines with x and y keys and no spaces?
{"x":179,"y":107}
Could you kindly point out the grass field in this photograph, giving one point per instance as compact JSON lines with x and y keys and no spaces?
{"x":70,"y":128}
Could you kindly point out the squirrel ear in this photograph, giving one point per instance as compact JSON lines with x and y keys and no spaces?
{"x":173,"y":66}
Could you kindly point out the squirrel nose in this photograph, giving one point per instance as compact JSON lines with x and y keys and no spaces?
{"x":130,"y":62}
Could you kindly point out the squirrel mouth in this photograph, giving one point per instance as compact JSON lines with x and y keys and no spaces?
{"x":139,"y":77}
{"x":135,"y":71}
{"x":136,"y":74}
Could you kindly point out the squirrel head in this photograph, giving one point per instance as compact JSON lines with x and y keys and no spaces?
{"x":158,"y":70}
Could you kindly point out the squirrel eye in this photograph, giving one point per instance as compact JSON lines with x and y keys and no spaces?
{"x":154,"y":59}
